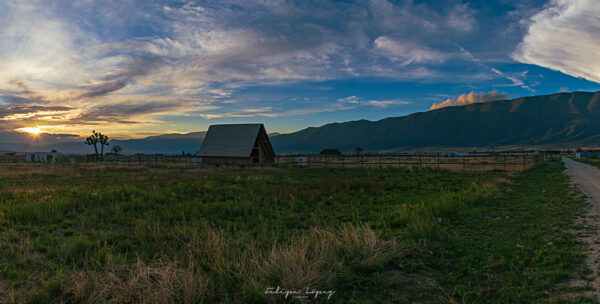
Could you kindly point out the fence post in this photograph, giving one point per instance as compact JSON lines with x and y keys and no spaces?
{"x":484,"y":162}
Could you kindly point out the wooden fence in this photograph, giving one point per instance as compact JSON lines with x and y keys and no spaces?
{"x":468,"y":163}
{"x":122,"y":158}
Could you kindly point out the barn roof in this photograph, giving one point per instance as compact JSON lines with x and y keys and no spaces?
{"x":233,"y":140}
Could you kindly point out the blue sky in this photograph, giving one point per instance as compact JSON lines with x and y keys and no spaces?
{"x":138,"y":68}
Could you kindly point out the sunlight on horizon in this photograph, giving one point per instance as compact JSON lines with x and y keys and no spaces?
{"x":32,"y":130}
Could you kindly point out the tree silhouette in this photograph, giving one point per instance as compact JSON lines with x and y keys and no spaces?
{"x":358,"y":150}
{"x":103,"y":140}
{"x":93,"y":140}
{"x":117,"y":149}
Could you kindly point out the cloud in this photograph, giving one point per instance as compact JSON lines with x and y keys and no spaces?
{"x":407,"y":52}
{"x":564,"y":37}
{"x":357,"y":101}
{"x":515,"y":81}
{"x":461,"y":18}
{"x":470,"y":98}
{"x":349,"y":99}
{"x":39,"y":112}
{"x":387,"y":103}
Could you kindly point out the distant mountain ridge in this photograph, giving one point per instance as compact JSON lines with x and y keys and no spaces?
{"x":174,"y":143}
{"x":557,"y":120}
{"x":563,"y":120}
{"x":164,"y":144}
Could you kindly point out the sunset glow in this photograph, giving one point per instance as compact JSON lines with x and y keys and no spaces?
{"x":32,"y":130}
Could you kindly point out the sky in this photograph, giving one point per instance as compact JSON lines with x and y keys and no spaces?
{"x":132,"y":69}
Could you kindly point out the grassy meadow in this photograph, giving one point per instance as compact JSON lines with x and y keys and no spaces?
{"x":94,"y":233}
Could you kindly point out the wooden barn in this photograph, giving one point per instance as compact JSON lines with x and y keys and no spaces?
{"x":241,"y":144}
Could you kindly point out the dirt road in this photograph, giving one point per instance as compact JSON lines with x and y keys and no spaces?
{"x":587,"y":178}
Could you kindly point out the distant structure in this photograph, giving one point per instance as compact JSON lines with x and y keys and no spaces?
{"x":332,"y":152}
{"x":241,"y":144}
{"x":42,"y":157}
{"x":582,"y":154}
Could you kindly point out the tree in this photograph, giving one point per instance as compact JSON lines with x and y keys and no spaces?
{"x":117,"y":149}
{"x":358,"y":150}
{"x":103,"y":140}
{"x":93,"y":140}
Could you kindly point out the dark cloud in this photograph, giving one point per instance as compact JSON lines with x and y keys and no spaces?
{"x":129,"y":70}
{"x":21,"y":85}
{"x":4,"y":112}
{"x":17,"y":100}
{"x":122,"y":113}
{"x":105,"y":88}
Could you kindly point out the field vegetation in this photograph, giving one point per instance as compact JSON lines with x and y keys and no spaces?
{"x":94,"y":233}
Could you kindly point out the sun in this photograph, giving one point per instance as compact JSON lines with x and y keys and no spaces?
{"x":32,"y":130}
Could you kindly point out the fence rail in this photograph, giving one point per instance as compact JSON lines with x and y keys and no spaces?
{"x":468,"y":163}
{"x":122,"y":158}
{"x":480,"y":163}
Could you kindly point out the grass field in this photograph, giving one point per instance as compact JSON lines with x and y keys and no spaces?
{"x":590,"y":161}
{"x":118,"y":234}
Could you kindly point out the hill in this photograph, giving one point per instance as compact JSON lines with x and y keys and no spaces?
{"x":564,"y":119}
{"x":165,"y":144}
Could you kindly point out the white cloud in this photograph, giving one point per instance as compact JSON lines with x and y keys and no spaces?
{"x":470,"y":98}
{"x":461,"y":18}
{"x":350,"y":99}
{"x":357,"y":101}
{"x":407,"y":52}
{"x":387,"y":103}
{"x":565,"y":37}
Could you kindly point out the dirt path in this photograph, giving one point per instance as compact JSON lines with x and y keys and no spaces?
{"x":587,"y":178}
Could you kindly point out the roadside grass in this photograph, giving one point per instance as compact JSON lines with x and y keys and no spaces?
{"x":176,"y":234}
{"x":592,"y":161}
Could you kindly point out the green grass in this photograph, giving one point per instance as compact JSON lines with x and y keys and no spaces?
{"x":591,"y":161}
{"x":94,"y":233}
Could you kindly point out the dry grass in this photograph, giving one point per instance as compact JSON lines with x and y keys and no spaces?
{"x":310,"y":260}
{"x":138,"y":283}
{"x":315,"y":258}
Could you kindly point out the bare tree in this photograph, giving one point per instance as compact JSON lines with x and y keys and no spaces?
{"x":117,"y":149}
{"x":358,"y":150}
{"x":93,"y":140}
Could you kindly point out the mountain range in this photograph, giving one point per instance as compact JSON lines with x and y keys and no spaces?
{"x":165,"y":144}
{"x":563,"y":120}
{"x":558,"y":120}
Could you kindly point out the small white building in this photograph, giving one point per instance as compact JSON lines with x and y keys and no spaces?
{"x":42,"y":157}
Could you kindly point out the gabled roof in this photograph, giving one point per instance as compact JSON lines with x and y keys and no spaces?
{"x":234,"y":140}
